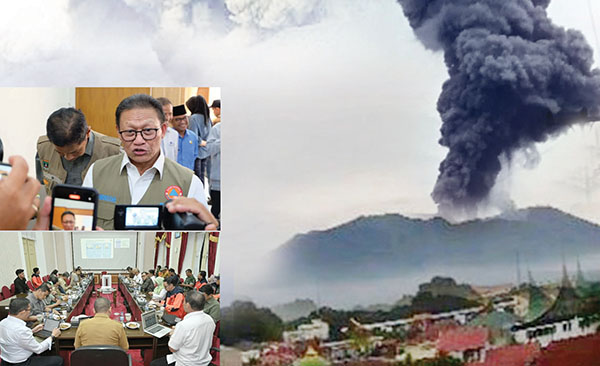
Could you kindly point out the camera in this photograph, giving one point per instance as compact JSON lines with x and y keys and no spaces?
{"x":155,"y":217}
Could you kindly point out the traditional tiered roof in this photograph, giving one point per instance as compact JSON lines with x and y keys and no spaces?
{"x":568,"y":304}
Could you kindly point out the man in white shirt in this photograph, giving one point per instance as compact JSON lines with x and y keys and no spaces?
{"x":192,"y":337}
{"x":171,"y":139}
{"x":152,"y":277}
{"x":17,"y":344}
{"x":142,"y":175}
{"x":137,"y":276}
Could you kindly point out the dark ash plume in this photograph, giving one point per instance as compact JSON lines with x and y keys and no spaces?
{"x":515,"y":79}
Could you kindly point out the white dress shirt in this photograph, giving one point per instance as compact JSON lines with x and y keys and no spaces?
{"x":16,"y":341}
{"x":138,"y":184}
{"x":138,"y":279}
{"x":169,"y":143}
{"x":192,"y":339}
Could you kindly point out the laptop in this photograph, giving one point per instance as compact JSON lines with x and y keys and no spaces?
{"x":49,"y":326}
{"x":151,"y":325}
{"x":169,"y":319}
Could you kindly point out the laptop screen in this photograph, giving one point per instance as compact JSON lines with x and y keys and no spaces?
{"x":51,"y":324}
{"x":149,"y":319}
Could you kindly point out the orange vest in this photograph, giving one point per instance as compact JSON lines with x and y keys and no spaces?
{"x":199,"y":284}
{"x":37,"y":281}
{"x":174,"y":305}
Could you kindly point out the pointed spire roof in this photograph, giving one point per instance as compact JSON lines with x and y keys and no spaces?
{"x":566,"y":306}
{"x":580,"y":280}
{"x":565,"y":277}
{"x":530,"y":277}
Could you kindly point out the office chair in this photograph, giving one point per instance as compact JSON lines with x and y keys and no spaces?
{"x":99,"y":355}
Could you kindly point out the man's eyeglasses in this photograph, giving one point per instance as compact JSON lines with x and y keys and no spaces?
{"x":147,"y":134}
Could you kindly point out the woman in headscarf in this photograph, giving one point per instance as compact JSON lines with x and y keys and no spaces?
{"x":200,"y":124}
{"x":159,"y":292}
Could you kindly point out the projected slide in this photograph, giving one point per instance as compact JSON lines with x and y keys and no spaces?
{"x":100,"y":248}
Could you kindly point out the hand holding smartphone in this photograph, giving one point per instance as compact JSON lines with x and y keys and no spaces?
{"x":18,"y":201}
{"x":73,"y":208}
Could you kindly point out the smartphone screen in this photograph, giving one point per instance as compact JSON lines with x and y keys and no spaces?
{"x":4,"y":170}
{"x":141,"y":216}
{"x":73,"y":208}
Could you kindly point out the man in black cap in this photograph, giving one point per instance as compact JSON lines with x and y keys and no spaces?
{"x":187,"y":147}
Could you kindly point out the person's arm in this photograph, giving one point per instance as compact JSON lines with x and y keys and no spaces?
{"x":213,"y":144}
{"x":78,"y":336}
{"x":27,"y":342}
{"x":123,"y":342}
{"x":176,"y":339}
{"x":204,"y":133}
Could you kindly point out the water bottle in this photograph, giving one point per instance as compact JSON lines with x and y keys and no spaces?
{"x":121,"y":318}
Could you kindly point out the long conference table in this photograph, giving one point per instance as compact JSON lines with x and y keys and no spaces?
{"x":151,"y":346}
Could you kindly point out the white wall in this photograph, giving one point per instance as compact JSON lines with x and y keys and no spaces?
{"x":12,"y":257}
{"x":24,"y":115}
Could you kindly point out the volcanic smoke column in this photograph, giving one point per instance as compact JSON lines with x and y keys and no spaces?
{"x":515,"y":79}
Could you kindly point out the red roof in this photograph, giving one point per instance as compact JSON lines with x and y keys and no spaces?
{"x":580,"y":351}
{"x":462,"y":339}
{"x":515,"y":355}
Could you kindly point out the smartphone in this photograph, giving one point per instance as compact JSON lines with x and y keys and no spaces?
{"x":138,"y":217}
{"x":73,"y":208}
{"x":4,"y":170}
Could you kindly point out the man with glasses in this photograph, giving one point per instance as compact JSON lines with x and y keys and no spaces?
{"x":142,"y":175}
{"x":17,"y":344}
{"x":69,"y":148}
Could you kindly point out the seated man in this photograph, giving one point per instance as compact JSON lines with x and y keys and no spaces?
{"x":175,"y":299}
{"x":148,"y":284}
{"x":65,"y":154}
{"x":20,"y":282}
{"x":54,"y":299}
{"x":36,"y":299}
{"x":192,"y":337}
{"x":17,"y":344}
{"x":142,"y":175}
{"x":190,"y":280}
{"x":76,"y":276}
{"x":101,"y":330}
{"x":62,"y":282}
{"x":137,"y":276}
{"x":212,"y":306}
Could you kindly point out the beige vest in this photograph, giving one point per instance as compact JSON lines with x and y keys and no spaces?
{"x":52,"y":168}
{"x":113,"y":187}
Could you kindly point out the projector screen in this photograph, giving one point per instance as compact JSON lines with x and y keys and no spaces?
{"x":100,"y":251}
